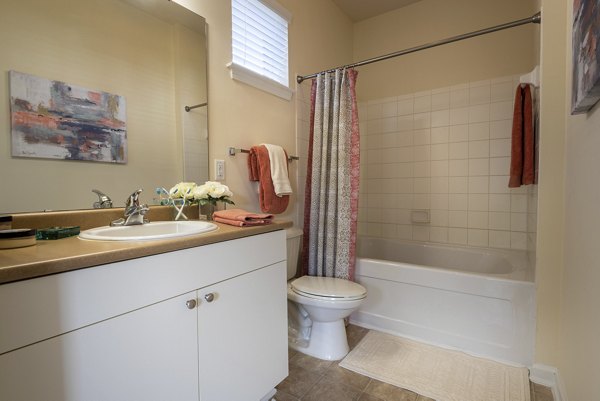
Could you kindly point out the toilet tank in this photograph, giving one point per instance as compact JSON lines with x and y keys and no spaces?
{"x":294,"y":244}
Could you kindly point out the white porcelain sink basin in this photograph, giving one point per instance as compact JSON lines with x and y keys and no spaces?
{"x":149,"y":231}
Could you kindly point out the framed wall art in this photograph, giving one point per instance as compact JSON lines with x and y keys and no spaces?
{"x":56,"y":120}
{"x":586,"y":55}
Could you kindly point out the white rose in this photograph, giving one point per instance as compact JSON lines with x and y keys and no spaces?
{"x":182,"y":190}
{"x":200,"y":192}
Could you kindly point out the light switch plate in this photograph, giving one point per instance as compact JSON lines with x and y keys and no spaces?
{"x":219,"y":170}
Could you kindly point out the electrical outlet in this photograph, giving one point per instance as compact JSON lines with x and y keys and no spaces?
{"x":219,"y":170}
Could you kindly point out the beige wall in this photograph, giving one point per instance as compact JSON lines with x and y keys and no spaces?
{"x":490,"y":56}
{"x":580,"y":324}
{"x":241,"y":116}
{"x":550,"y":231}
{"x":101,"y":45}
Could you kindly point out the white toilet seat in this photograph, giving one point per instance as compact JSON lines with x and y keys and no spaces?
{"x":328,"y":288}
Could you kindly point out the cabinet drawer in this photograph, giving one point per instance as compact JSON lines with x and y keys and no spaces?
{"x":44,"y":307}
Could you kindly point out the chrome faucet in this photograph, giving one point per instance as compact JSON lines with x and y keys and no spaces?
{"x":134,"y":212}
{"x":104,"y":202}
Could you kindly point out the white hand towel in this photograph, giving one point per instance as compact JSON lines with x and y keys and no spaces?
{"x":279,"y":170}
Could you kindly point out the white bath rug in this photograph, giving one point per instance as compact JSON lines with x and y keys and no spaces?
{"x":434,"y":372}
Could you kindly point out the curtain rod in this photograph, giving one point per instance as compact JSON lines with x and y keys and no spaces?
{"x":535,"y":19}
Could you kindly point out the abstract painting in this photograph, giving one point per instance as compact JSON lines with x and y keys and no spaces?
{"x":586,"y":55}
{"x":55,"y":120}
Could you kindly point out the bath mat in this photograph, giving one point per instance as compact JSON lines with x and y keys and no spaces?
{"x":438,"y":373}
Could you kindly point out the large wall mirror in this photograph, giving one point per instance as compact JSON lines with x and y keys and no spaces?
{"x":151,"y":52}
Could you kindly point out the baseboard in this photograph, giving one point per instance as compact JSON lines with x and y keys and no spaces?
{"x":548,"y":376}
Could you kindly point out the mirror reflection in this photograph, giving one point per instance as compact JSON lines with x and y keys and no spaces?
{"x":152,"y":53}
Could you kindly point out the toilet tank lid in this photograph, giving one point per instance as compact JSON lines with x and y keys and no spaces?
{"x":329,"y":287}
{"x":293,"y":232}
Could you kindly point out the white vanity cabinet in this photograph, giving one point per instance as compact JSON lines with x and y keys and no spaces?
{"x":206,"y":323}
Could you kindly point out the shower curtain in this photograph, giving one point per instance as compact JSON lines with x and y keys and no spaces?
{"x":331,"y":196}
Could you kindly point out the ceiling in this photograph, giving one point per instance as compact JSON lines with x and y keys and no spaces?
{"x":359,"y":10}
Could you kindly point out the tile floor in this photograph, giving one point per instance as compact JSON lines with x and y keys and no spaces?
{"x":312,"y":379}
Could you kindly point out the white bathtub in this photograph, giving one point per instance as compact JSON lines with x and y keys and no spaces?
{"x":478,"y":300}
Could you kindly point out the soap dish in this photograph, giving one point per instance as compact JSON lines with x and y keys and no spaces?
{"x":17,"y":238}
{"x":57,"y":232}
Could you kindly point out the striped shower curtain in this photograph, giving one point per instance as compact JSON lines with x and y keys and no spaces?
{"x":331,"y":196}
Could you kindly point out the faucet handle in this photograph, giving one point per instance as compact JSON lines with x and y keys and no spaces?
{"x":134,"y":199}
{"x":104,"y":202}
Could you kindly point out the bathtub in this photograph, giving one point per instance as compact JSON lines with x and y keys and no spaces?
{"x":477,"y":300}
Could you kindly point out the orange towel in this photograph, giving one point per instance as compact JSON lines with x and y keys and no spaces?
{"x":522,"y":165}
{"x":240,"y":223}
{"x":242,"y":215}
{"x":259,"y":169}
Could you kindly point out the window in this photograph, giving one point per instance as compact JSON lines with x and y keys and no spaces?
{"x":260,"y":45}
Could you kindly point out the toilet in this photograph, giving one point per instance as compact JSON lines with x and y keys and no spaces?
{"x":318,"y":306}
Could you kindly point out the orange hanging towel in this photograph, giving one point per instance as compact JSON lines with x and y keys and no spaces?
{"x":259,"y":169}
{"x":522,"y":163}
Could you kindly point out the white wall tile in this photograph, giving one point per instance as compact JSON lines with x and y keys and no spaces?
{"x":438,"y":234}
{"x":518,"y":222}
{"x":439,"y":151}
{"x":499,"y":184}
{"x":499,"y":220}
{"x":439,"y":185}
{"x":420,"y":233}
{"x":458,"y":236}
{"x":389,"y":109}
{"x":502,"y":91}
{"x":421,"y":201}
{"x":439,"y":201}
{"x":479,"y":113}
{"x":477,"y":220}
{"x":374,"y":111}
{"x":421,"y":136}
{"x":499,"y":165}
{"x":458,"y":168}
{"x":458,"y":218}
{"x":458,"y":150}
{"x":439,"y":134}
{"x":500,"y":148}
{"x":439,"y":168}
{"x":500,"y":129}
{"x":440,"y":101}
{"x":479,"y":131}
{"x":459,"y":116}
{"x":478,"y":237}
{"x":458,"y":185}
{"x":422,"y":103}
{"x":479,"y":167}
{"x":518,"y":240}
{"x":501,"y":110}
{"x":422,"y":185}
{"x":499,"y":239}
{"x":459,"y":97}
{"x":405,"y":123}
{"x":479,"y":149}
{"x":439,"y":218}
{"x":500,"y":202}
{"x":458,"y":202}
{"x":422,"y":153}
{"x":440,"y":118}
{"x":422,"y":169}
{"x":459,"y":133}
{"x":479,"y":185}
{"x":405,"y":107}
{"x":479,"y":95}
{"x":389,"y":124}
{"x":422,"y":120}
{"x":404,"y":231}
{"x":479,"y":202}
{"x":518,"y":203}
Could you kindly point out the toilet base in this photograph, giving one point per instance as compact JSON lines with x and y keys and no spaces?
{"x":328,"y":341}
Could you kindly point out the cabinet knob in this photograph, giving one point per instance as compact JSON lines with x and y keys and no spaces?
{"x":191,"y":304}
{"x":209,"y":297}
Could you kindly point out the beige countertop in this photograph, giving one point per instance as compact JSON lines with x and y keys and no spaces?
{"x":58,"y":256}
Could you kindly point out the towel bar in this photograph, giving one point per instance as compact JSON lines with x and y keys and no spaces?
{"x":234,"y":151}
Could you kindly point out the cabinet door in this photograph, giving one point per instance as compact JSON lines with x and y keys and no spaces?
{"x":148,"y":354}
{"x":242,"y":335}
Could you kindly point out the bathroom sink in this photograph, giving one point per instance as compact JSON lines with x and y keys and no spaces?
{"x":149,"y":231}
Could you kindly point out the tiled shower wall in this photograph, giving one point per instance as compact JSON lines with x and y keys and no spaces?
{"x":445,"y":151}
